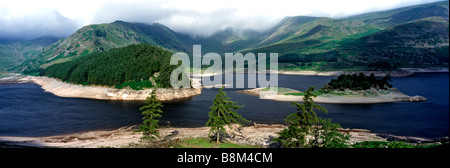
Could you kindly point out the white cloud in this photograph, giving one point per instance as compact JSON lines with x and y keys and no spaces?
{"x":198,"y":17}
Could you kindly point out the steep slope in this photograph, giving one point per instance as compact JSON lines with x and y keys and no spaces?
{"x":424,"y":42}
{"x":319,"y":35}
{"x":103,"y":37}
{"x":394,"y":17}
{"x":288,"y":27}
{"x":229,"y":40}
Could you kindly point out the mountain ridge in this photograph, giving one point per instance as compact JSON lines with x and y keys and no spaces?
{"x":318,"y":38}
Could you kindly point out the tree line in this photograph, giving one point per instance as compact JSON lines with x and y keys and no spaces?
{"x":358,"y":82}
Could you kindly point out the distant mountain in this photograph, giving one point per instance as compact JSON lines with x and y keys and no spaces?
{"x":324,"y":43}
{"x":229,"y":40}
{"x":306,"y":35}
{"x":14,"y":52}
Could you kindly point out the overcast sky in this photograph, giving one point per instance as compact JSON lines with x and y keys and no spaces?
{"x":27,"y":19}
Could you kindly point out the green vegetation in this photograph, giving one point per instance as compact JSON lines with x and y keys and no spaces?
{"x":357,"y":82}
{"x":323,"y":133}
{"x":223,"y":112}
{"x":305,"y":129}
{"x":128,"y":66}
{"x":415,"y":36}
{"x":151,"y":112}
{"x":406,"y":14}
{"x":136,"y":85}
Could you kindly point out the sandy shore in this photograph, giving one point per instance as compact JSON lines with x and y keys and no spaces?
{"x":393,"y":96}
{"x":63,"y":89}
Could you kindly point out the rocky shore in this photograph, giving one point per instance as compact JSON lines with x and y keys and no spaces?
{"x":63,"y":89}
{"x":352,"y":97}
{"x":256,"y":135}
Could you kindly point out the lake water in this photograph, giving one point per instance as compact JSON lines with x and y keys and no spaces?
{"x":26,"y":110}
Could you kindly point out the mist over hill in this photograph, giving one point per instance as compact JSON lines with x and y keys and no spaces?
{"x":414,"y":36}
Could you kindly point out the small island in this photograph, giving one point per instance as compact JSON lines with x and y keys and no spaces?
{"x":346,"y":89}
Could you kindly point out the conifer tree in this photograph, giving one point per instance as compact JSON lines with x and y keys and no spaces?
{"x":151,"y":112}
{"x":305,"y":122}
{"x":223,"y":112}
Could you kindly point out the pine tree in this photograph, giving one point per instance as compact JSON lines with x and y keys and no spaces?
{"x":151,"y":112}
{"x":223,"y":112}
{"x":305,"y":122}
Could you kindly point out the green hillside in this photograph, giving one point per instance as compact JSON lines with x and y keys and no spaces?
{"x":394,"y":17}
{"x":419,"y":43}
{"x":132,"y":66}
{"x":318,"y":35}
{"x":415,"y":36}
{"x":103,"y":37}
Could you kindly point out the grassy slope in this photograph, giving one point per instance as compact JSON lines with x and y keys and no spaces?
{"x":394,"y":17}
{"x":318,"y":36}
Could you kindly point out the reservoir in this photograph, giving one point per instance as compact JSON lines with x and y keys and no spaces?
{"x":26,"y":110}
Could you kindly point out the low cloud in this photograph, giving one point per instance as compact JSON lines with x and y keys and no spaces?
{"x":22,"y":19}
{"x":47,"y":23}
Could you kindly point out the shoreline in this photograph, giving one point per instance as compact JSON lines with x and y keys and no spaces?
{"x":63,"y":89}
{"x":402,"y":72}
{"x":257,"y":135}
{"x":393,"y":96}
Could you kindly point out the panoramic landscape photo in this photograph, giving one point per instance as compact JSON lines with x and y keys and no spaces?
{"x":224,"y":74}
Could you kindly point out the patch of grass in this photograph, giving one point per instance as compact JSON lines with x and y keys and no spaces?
{"x":136,"y":85}
{"x":34,"y":74}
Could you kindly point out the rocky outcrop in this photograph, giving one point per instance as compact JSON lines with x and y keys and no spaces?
{"x":347,"y":97}
{"x":417,"y":98}
{"x":64,"y":89}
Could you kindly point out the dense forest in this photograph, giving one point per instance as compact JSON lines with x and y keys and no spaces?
{"x":132,"y":66}
{"x":357,"y":82}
